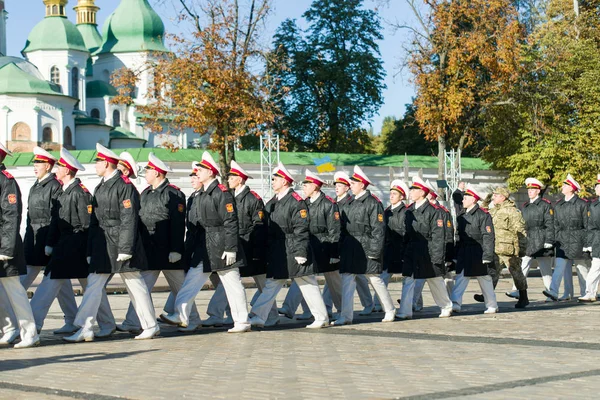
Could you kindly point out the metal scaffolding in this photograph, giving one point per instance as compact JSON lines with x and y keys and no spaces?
{"x":269,"y":158}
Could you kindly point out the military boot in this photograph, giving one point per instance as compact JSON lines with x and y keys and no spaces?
{"x":523,"y":300}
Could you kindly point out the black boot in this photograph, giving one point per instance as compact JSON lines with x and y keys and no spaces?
{"x":523,"y":300}
{"x":479,"y":298}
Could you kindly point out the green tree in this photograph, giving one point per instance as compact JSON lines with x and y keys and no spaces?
{"x":331,"y":75}
{"x":403,"y":136}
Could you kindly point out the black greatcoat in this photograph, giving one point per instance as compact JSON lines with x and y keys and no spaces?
{"x":218,"y":216}
{"x":539,"y":225}
{"x":425,"y":246}
{"x":288,"y":237}
{"x":195,"y":237}
{"x":253,"y":231}
{"x":324,"y":226}
{"x":11,"y":207}
{"x":342,"y":206}
{"x":114,"y":227}
{"x":73,"y":212}
{"x":162,"y":227}
{"x":476,"y":242}
{"x":362,"y":247}
{"x":448,"y":232}
{"x":395,"y":230}
{"x":41,"y":229}
{"x":593,"y":226}
{"x":570,"y":227}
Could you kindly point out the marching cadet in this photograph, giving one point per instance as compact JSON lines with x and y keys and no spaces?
{"x":162,"y":230}
{"x":41,"y":232}
{"x":510,"y":243}
{"x":114,"y":246}
{"x":593,"y":243}
{"x":288,"y":252}
{"x":13,"y":297}
{"x":362,"y":248}
{"x":324,"y":228}
{"x":216,"y":214}
{"x":127,"y":165}
{"x":424,"y":257}
{"x":68,"y":260}
{"x":570,"y":226}
{"x":475,"y":251}
{"x":538,"y":215}
{"x":253,"y":236}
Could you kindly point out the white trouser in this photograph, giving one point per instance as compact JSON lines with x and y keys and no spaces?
{"x":385,"y":277}
{"x":310,"y":291}
{"x":175,"y":280}
{"x":364,"y":292}
{"x":66,"y":298}
{"x":593,"y":278}
{"x":169,"y":307}
{"x":564,"y":268}
{"x":333,"y":281}
{"x":449,"y":281}
{"x":294,"y":298}
{"x":49,"y":289}
{"x":261,"y":282}
{"x":232,"y":283}
{"x":218,"y":302}
{"x":438,"y":289}
{"x":418,"y":295}
{"x":485,"y":283}
{"x":14,"y":297}
{"x":406,"y":300}
{"x":545,"y":266}
{"x":138,"y":293}
{"x":349,"y":286}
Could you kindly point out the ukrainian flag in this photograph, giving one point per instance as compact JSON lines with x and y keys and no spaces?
{"x":324,"y":164}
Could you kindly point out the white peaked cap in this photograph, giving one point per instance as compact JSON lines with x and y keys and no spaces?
{"x":127,"y":160}
{"x":420,"y":184}
{"x":157,"y":164}
{"x":282,"y":172}
{"x":5,"y":150}
{"x":574,"y":184}
{"x":399,"y":185}
{"x":471,"y":191}
{"x":106,"y":154}
{"x":533,"y":183}
{"x":195,"y":166}
{"x":42,"y":155}
{"x":68,"y":160}
{"x":360,"y":176}
{"x":431,"y":188}
{"x":311,"y":177}
{"x":341,"y":177}
{"x":209,"y":163}
{"x":237,"y":170}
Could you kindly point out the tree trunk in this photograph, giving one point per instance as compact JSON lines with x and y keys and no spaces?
{"x":441,"y":156}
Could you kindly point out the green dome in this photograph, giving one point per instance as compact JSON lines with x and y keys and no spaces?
{"x":91,"y":36}
{"x":133,"y":27}
{"x":99,"y":89}
{"x":16,"y":77}
{"x":55,"y":33}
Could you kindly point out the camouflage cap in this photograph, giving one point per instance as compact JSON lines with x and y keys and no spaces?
{"x":503,"y":191}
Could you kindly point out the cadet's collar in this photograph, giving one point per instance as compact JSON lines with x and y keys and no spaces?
{"x":472,"y":209}
{"x":162,"y":185}
{"x":534,"y":200}
{"x":419,"y":203}
{"x":315,"y":198}
{"x":342,"y":197}
{"x":239,"y":190}
{"x":68,"y":184}
{"x":114,"y":173}
{"x":398,"y":204}
{"x":281,"y":195}
{"x":361,"y":194}
{"x":48,"y":175}
{"x":209,"y":186}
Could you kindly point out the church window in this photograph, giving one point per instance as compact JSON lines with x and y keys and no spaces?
{"x":75,"y":82}
{"x":47,"y":135}
{"x":21,"y":131}
{"x":55,"y":75}
{"x":68,"y":137}
{"x":116,"y":118}
{"x":95,"y":113}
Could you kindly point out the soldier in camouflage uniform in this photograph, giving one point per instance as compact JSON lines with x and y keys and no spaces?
{"x":511,"y":241}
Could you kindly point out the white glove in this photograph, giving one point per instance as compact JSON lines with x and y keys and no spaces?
{"x":229,"y":257}
{"x":334,"y":260}
{"x":372,"y":258}
{"x":301,"y":260}
{"x":89,"y":260}
{"x":48,"y":250}
{"x":448,"y":263}
{"x":487,"y":262}
{"x":5,"y":258}
{"x":547,"y":246}
{"x":123,"y":257}
{"x":174,"y":257}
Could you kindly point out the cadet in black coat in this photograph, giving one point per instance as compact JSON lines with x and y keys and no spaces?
{"x":474,"y":251}
{"x":12,"y":264}
{"x":362,"y":247}
{"x":68,"y":260}
{"x":395,"y":229}
{"x":114,"y":246}
{"x":424,"y":256}
{"x":571,"y":237}
{"x":593,"y":232}
{"x":288,"y":252}
{"x":216,"y":213}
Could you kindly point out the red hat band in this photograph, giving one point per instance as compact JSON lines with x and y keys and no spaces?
{"x":342,"y":180}
{"x":534,"y":186}
{"x":399,"y":189}
{"x":283,"y":175}
{"x":357,"y":177}
{"x":206,"y":165}
{"x":126,"y":165}
{"x":469,"y":192}
{"x":106,"y":158}
{"x":239,"y":173}
{"x":568,"y":182}
{"x":40,"y":158}
{"x":154,"y":167}
{"x":63,"y":163}
{"x":417,"y":185}
{"x":313,"y":180}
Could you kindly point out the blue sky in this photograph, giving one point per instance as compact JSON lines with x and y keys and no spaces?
{"x":25,"y":14}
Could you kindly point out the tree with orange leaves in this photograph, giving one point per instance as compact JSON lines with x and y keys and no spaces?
{"x":209,"y":82}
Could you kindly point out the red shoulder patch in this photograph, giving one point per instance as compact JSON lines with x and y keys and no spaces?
{"x":84,"y":188}
{"x":256,"y":195}
{"x":174,"y":187}
{"x":586,"y":200}
{"x":8,"y":174}
{"x":296,"y":196}
{"x":126,"y":179}
{"x":444,"y":208}
{"x":411,"y":205}
{"x":524,"y":204}
{"x":223,"y":188}
{"x":546,"y":200}
{"x":58,"y":180}
{"x":376,"y":198}
{"x":435,"y":206}
{"x":330,"y":199}
{"x":485,"y":210}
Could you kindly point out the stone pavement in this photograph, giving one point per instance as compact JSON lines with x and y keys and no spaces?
{"x":549,"y":350}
